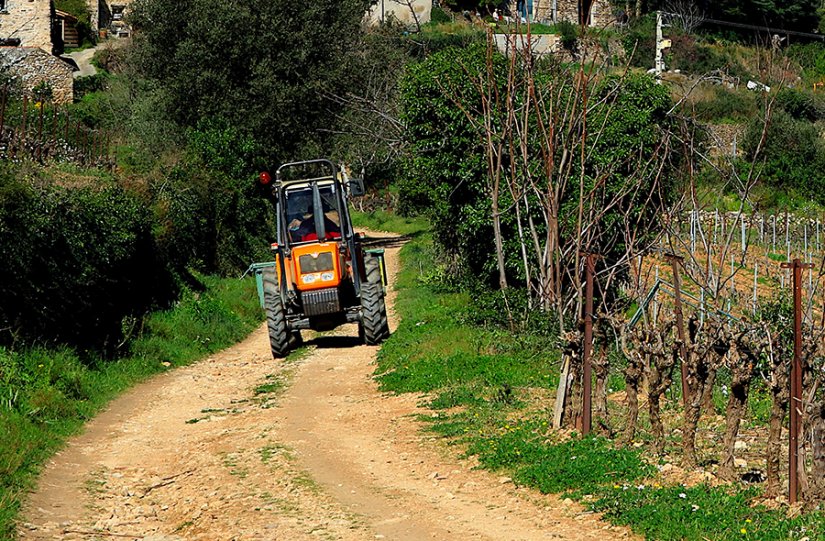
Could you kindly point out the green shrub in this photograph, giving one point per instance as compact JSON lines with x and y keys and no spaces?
{"x":793,"y":155}
{"x":811,"y":57}
{"x":569,"y":34}
{"x":801,"y":105}
{"x":639,"y":41}
{"x":75,"y":261}
{"x":439,"y":16}
{"x":727,"y":105}
{"x":92,"y":83}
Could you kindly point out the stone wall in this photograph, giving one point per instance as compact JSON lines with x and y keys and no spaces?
{"x":94,"y":14}
{"x":400,"y":9}
{"x":540,"y":44}
{"x":31,"y":66}
{"x":30,"y":21}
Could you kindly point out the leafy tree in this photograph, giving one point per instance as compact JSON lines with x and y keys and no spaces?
{"x":466,"y":149}
{"x":261,"y":65}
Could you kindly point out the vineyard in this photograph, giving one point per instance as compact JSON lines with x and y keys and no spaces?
{"x":36,"y":129}
{"x":706,"y":348}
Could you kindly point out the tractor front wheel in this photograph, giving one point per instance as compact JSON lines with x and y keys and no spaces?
{"x":279,"y":335}
{"x":374,"y":328}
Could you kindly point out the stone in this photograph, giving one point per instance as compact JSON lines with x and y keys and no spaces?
{"x":740,"y":445}
{"x":30,"y":21}
{"x":31,"y":67}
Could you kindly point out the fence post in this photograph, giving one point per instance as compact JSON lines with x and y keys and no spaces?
{"x":796,"y":380}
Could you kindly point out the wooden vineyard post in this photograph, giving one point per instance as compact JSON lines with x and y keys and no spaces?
{"x":796,"y":380}
{"x":587,"y":404}
{"x":675,"y":261}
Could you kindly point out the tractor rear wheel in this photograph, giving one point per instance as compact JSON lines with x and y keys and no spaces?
{"x":279,"y":335}
{"x":373,"y":267}
{"x":374,"y":327}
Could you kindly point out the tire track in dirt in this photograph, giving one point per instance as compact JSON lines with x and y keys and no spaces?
{"x":239,"y":447}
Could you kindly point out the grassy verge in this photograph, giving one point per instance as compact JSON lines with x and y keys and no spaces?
{"x":47,"y":394}
{"x":491,"y":393}
{"x":380,"y":220}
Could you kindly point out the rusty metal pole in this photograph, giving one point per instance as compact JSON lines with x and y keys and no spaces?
{"x":587,"y":404}
{"x":675,"y":261}
{"x":796,"y":380}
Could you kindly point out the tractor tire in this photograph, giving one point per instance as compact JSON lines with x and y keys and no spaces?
{"x":279,"y":335}
{"x":374,"y":327}
{"x":372,"y":265}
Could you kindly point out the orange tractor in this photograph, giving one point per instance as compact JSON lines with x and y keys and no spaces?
{"x":322,"y":277}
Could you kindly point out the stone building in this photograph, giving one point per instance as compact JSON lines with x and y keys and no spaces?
{"x":598,"y":12}
{"x":405,"y":11}
{"x":32,"y":66}
{"x":30,"y":34}
{"x":105,"y":14}
{"x":29,"y":21}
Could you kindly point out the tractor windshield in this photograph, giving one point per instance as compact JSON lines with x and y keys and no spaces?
{"x":304,"y":221}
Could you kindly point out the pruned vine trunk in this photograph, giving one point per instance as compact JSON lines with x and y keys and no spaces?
{"x":737,"y":403}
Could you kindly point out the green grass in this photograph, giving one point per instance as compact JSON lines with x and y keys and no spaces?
{"x":700,"y":513}
{"x":491,"y":395}
{"x":380,"y":220}
{"x":47,"y":394}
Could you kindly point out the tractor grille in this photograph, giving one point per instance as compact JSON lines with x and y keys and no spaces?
{"x":324,"y":301}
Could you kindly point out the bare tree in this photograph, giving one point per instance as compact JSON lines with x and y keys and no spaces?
{"x":685,"y":14}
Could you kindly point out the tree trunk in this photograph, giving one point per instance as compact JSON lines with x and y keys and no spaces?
{"x":632,"y":377}
{"x":817,"y":489}
{"x":737,"y":401}
{"x":691,"y":420}
{"x":707,"y":395}
{"x":656,"y":425}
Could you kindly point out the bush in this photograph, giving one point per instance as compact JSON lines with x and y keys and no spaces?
{"x":439,"y":16}
{"x":801,"y":105}
{"x":727,"y":105}
{"x":75,"y":261}
{"x":89,"y":84}
{"x":793,"y":155}
{"x":639,"y":42}
{"x":569,"y":35}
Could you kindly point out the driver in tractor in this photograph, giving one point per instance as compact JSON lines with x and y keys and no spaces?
{"x":302,"y":225}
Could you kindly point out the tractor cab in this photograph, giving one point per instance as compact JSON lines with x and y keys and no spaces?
{"x":321,"y":277}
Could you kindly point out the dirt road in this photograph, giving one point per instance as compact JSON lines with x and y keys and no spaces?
{"x":240,"y":447}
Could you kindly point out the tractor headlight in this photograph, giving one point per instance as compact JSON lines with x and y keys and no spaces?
{"x":320,"y":262}
{"x":309,"y":278}
{"x":327,"y":277}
